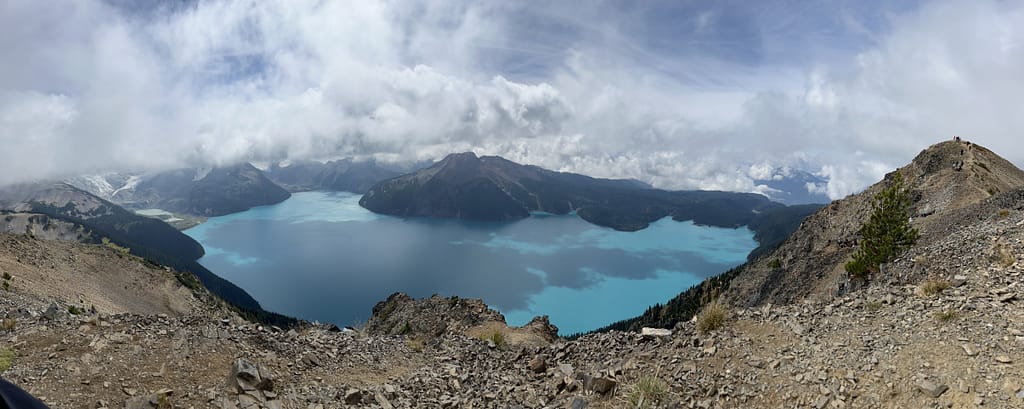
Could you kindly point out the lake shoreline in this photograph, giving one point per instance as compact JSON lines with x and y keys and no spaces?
{"x":577,"y":273}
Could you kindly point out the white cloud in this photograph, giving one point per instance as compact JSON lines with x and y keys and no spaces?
{"x":584,"y":89}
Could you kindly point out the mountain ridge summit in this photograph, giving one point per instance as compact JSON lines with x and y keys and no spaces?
{"x":942,"y":178}
{"x":951,"y":184}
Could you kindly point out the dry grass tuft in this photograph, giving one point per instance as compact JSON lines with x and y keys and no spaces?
{"x":498,"y":338}
{"x":1006,"y":257}
{"x":947,"y":315}
{"x":933,"y":286}
{"x":8,"y":324}
{"x":6,"y":357}
{"x":712,"y":317}
{"x":416,"y":344}
{"x":648,"y":392}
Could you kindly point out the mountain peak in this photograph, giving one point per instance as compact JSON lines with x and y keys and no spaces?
{"x":957,"y":173}
{"x":460,"y":161}
{"x":461,"y":156}
{"x":947,"y":182}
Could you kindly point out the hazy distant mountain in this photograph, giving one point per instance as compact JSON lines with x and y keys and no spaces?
{"x":104,"y":185}
{"x":345,"y":174}
{"x":794,"y":186}
{"x":212,"y":192}
{"x":492,"y":188}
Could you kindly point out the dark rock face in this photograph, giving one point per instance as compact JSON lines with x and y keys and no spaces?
{"x":456,"y":187}
{"x":221,"y":191}
{"x":233,"y":189}
{"x":540,"y":325}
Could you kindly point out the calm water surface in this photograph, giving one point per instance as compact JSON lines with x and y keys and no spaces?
{"x":320,"y":256}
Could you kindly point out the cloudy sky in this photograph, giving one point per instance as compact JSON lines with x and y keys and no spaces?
{"x":682,"y":94}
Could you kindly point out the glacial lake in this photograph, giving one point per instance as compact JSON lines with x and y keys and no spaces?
{"x":320,"y":256}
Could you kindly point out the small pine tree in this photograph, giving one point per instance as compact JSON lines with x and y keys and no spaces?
{"x":887,"y":233}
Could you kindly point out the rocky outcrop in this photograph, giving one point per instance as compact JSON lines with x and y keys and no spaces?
{"x":435,"y":316}
{"x":44,"y":227}
{"x":249,"y":386}
{"x":543,"y":327}
{"x":400,"y":314}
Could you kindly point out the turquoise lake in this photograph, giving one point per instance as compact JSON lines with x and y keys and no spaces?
{"x":320,"y":256}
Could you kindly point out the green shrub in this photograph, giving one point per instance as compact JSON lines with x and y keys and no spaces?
{"x":121,"y":250}
{"x":73,"y":310}
{"x":874,"y":306}
{"x":775,"y":264}
{"x":405,"y":329}
{"x":887,"y":233}
{"x":7,"y":276}
{"x":189,"y":280}
{"x":7,"y":286}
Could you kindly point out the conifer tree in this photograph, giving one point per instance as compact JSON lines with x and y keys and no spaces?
{"x":887,"y":233}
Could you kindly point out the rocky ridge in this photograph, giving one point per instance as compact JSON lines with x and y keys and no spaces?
{"x":954,"y":185}
{"x":885,"y":346}
{"x":946,"y":181}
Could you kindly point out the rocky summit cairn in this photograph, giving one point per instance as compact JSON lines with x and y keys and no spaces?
{"x":254,"y":386}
